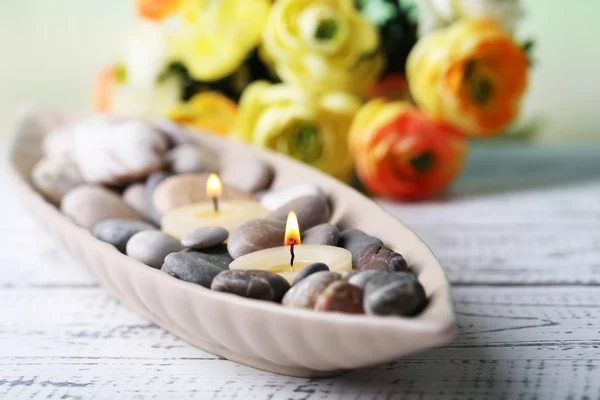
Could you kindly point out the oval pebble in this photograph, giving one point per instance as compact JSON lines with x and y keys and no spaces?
{"x":191,"y":158}
{"x":192,"y":267}
{"x":309,"y":270}
{"x":342,"y":297}
{"x":354,"y":240}
{"x":396,"y":293}
{"x":249,"y":175}
{"x":55,"y":177}
{"x":305,"y":293}
{"x":379,"y":258}
{"x":274,"y":199}
{"x":255,"y":235}
{"x":310,"y":210}
{"x":361,"y":278}
{"x":151,"y":247}
{"x":254,"y":284}
{"x":326,"y":234}
{"x":135,"y":197}
{"x":89,"y":204}
{"x":118,"y":231}
{"x":152,"y":183}
{"x":204,"y":237}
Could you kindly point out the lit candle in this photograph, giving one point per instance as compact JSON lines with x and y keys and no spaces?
{"x":292,"y":257}
{"x":226,"y":214}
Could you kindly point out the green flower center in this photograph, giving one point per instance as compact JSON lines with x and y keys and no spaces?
{"x":304,"y":144}
{"x":479,"y":88}
{"x":326,"y":30}
{"x":423,"y":162}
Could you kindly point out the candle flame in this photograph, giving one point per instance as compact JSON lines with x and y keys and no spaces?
{"x":213,"y":186}
{"x":292,"y":230}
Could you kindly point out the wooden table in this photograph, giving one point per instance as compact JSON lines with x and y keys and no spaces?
{"x":519,"y":238}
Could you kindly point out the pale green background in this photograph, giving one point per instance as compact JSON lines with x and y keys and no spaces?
{"x":51,"y":49}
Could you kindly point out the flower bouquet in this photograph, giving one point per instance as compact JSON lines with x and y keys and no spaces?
{"x":387,"y":90}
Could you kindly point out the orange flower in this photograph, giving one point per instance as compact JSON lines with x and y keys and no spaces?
{"x":391,"y":87}
{"x":156,"y":9}
{"x":471,"y":74}
{"x":206,"y":111}
{"x":102,"y":90}
{"x":401,"y":153}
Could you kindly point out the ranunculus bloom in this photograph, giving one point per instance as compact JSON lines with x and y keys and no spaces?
{"x":401,"y":153}
{"x":471,"y":74}
{"x":434,"y":14}
{"x":212,"y":38}
{"x":156,"y":9}
{"x":310,"y":128}
{"x":322,"y":45}
{"x":206,"y":111}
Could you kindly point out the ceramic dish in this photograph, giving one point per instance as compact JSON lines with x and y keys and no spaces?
{"x":255,"y":333}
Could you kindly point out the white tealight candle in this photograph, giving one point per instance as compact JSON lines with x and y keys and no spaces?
{"x":288,"y":261}
{"x":228,"y":214}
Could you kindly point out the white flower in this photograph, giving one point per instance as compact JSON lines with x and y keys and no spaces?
{"x":146,"y":54}
{"x":146,"y":102}
{"x":435,"y":14}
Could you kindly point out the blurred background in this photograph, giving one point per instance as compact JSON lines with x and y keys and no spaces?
{"x":52,"y":49}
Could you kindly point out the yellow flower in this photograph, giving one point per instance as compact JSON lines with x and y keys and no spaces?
{"x":212,"y":38}
{"x":471,"y":74}
{"x":312,"y":129}
{"x":206,"y":111}
{"x":322,"y":45}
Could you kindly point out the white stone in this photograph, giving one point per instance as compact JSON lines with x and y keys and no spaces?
{"x":54,"y":177}
{"x":191,"y":158}
{"x":276,"y":198}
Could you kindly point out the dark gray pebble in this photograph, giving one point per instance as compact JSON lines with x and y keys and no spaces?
{"x":396,"y":293}
{"x":362,"y":277}
{"x":255,"y":235}
{"x":204,"y":237}
{"x":354,"y":241}
{"x":254,"y":284}
{"x":326,"y":234}
{"x":310,"y":210}
{"x":118,"y":231}
{"x":191,"y":266}
{"x":308,"y":270}
{"x":379,"y":258}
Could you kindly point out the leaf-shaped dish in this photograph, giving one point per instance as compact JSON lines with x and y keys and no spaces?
{"x":255,"y":333}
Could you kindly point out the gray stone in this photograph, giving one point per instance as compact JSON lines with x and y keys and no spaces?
{"x":354,"y":241}
{"x":89,"y":204}
{"x":340,"y":296}
{"x":305,"y":293}
{"x":255,"y":235}
{"x":321,"y":234}
{"x":135,"y":196}
{"x":191,"y":158}
{"x":362,"y":277}
{"x":379,"y":258}
{"x":249,"y":175}
{"x":55,"y":177}
{"x":254,"y":284}
{"x":309,"y":270}
{"x":310,"y":210}
{"x":204,"y":237}
{"x":396,"y":293}
{"x":274,"y":199}
{"x":195,"y":267}
{"x":151,"y":184}
{"x":151,"y":247}
{"x":118,"y":231}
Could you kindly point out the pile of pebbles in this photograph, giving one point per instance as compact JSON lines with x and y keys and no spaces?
{"x":118,"y":178}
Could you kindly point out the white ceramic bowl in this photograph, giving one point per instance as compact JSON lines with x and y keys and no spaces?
{"x":255,"y":333}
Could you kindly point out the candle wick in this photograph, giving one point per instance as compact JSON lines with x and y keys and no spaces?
{"x":292,"y":256}
{"x":215,"y":201}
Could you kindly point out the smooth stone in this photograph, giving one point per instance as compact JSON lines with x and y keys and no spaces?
{"x":349,"y":273}
{"x":58,"y":143}
{"x":379,"y":258}
{"x":181,"y":190}
{"x":117,"y":152}
{"x":191,"y":158}
{"x":55,"y":177}
{"x":135,"y":197}
{"x":395,"y":293}
{"x":217,"y":255}
{"x":354,"y":241}
{"x":249,"y":175}
{"x":254,"y":284}
{"x":255,"y":235}
{"x":151,"y":247}
{"x":340,"y":296}
{"x":310,"y":210}
{"x":118,"y":231}
{"x":274,"y":199}
{"x":305,"y":293}
{"x":309,"y":270}
{"x":326,"y":234}
{"x":361,"y":278}
{"x":195,"y":267}
{"x":89,"y":204}
{"x":175,"y":133}
{"x":152,"y":183}
{"x":206,"y":236}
